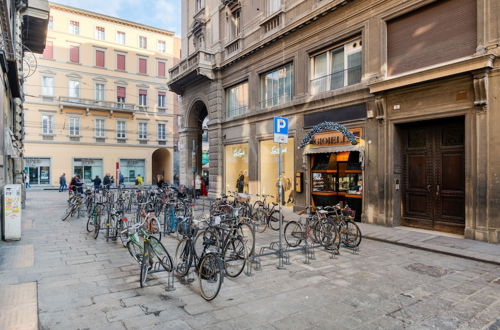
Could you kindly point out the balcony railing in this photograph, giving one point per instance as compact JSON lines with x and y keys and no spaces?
{"x":199,"y":59}
{"x":336,"y":80}
{"x":101,"y":105}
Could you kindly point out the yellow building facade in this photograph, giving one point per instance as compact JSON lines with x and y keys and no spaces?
{"x":98,"y":100}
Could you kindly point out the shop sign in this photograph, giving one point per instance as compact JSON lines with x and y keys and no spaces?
{"x":32,"y":162}
{"x":238,"y":153}
{"x":334,"y":138}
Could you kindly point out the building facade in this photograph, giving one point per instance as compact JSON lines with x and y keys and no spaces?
{"x":23,"y":29}
{"x":415,"y":84}
{"x":98,"y":100}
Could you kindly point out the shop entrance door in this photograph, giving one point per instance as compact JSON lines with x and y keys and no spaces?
{"x":434,"y":175}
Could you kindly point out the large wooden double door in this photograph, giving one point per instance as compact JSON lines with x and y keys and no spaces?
{"x":433,"y":188}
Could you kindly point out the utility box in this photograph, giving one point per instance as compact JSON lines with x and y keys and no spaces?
{"x":12,"y":211}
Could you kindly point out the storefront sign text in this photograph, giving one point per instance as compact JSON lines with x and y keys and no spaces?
{"x":334,"y":138}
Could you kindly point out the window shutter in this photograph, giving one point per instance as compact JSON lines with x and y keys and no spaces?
{"x":161,"y":69}
{"x":99,"y":58}
{"x":120,"y":62}
{"x":142,"y":65}
{"x":74,"y":54}
{"x":143,"y":92}
{"x":48,"y":52}
{"x":120,"y":92}
{"x":162,"y":93}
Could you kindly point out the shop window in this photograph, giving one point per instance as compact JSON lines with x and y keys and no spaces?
{"x":268,"y":170}
{"x":87,"y":169}
{"x":236,"y":167}
{"x":38,"y":170}
{"x":131,"y":168}
{"x":277,"y":86}
{"x":336,"y":68}
{"x":237,"y":99}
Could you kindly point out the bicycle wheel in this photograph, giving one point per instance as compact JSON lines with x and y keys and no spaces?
{"x":234,"y":256}
{"x":68,"y":212}
{"x":122,"y":232}
{"x":327,"y":233}
{"x":260,"y":220}
{"x":161,"y":254}
{"x":90,"y":223}
{"x":144,"y":269}
{"x":154,"y":228}
{"x":206,"y":234}
{"x":97,"y":225}
{"x":135,"y":251}
{"x":350,"y":234}
{"x":211,"y":275}
{"x":274,"y":221}
{"x":293,"y":233}
{"x":247,"y":233}
{"x":183,"y":257}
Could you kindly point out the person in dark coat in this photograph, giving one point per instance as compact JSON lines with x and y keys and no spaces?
{"x":62,"y":182}
{"x":107,"y":181}
{"x":97,"y":182}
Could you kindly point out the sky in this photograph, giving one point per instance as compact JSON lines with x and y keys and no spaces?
{"x":164,"y":14}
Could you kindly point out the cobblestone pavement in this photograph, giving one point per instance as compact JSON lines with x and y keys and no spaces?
{"x":84,"y":283}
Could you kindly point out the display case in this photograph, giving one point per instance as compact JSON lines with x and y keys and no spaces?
{"x":323,"y":182}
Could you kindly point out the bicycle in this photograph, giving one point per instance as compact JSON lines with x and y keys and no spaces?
{"x":208,"y":266}
{"x":315,"y":228}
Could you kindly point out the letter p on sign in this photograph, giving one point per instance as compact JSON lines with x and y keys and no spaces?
{"x":280,"y":130}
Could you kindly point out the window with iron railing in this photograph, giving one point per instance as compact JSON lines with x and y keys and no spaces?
{"x":337,"y":67}
{"x":237,"y":99}
{"x":277,"y":86}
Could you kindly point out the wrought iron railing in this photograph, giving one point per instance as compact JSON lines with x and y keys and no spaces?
{"x":98,"y":104}
{"x":336,"y":80}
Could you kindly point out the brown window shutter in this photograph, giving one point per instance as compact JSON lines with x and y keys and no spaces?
{"x":434,"y":34}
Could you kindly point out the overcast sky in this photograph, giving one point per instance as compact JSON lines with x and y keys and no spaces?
{"x":164,"y":14}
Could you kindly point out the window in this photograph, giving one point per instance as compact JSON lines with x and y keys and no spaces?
{"x":48,"y":51}
{"x":162,"y":133}
{"x":120,"y":62}
{"x":161,"y":99}
{"x":74,"y":88}
{"x":99,"y":58}
{"x":143,"y":42}
{"x":200,"y":4}
{"x":277,"y":86}
{"x":143,"y":63}
{"x":237,"y":99}
{"x":99,"y":92}
{"x":161,"y":46}
{"x":47,"y":124}
{"x":74,"y":126}
{"x":51,"y":23}
{"x":74,"y":54}
{"x":99,"y":128}
{"x":120,"y":37}
{"x":143,"y":97}
{"x":161,"y":69}
{"x":121,"y":132}
{"x":273,"y":6}
{"x":143,"y":131}
{"x":47,"y":86}
{"x":234,"y":24}
{"x":336,"y":68}
{"x":74,"y":27}
{"x":120,"y":94}
{"x":99,"y":33}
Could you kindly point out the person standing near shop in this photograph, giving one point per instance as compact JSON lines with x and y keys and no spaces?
{"x":197,"y":185}
{"x":160,"y":182}
{"x":121,"y":180}
{"x":240,"y":182}
{"x":97,"y":182}
{"x":26,"y":179}
{"x":138,"y":180}
{"x":106,"y":181}
{"x":62,"y":182}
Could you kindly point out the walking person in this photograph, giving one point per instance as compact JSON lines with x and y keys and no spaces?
{"x":121,"y":180}
{"x":26,"y":180}
{"x":62,"y":182}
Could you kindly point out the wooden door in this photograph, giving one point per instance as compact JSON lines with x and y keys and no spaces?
{"x":434,"y":175}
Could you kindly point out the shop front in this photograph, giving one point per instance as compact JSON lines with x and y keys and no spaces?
{"x":236,"y":167}
{"x":131,"y":168}
{"x":268,"y":170}
{"x":87,"y":168}
{"x":38,"y":170}
{"x":335,"y":162}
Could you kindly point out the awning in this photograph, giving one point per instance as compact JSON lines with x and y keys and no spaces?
{"x":360,"y":147}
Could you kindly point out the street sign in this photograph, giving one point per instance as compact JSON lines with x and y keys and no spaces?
{"x":280,"y":130}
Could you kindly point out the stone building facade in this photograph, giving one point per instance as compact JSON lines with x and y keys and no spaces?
{"x":416,"y":81}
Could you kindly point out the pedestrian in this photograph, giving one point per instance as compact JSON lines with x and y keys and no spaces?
{"x":138,"y":180}
{"x":106,"y":181}
{"x":204,"y":191}
{"x":76,"y":184}
{"x":121,"y":180}
{"x":197,"y":185}
{"x":160,"y":182}
{"x":97,"y":182}
{"x":62,"y":182}
{"x":26,"y":179}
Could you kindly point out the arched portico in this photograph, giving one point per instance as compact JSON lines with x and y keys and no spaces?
{"x":161,"y":164}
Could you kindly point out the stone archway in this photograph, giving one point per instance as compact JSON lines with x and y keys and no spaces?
{"x":191,"y":143}
{"x":161,"y":164}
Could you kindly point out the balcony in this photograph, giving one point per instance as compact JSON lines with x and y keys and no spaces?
{"x":197,"y":66}
{"x":89,"y":104}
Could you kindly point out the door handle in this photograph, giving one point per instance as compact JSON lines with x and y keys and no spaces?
{"x":437,"y":190}
{"x":428,"y":188}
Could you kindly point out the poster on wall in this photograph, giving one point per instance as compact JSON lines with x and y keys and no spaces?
{"x":12,"y":211}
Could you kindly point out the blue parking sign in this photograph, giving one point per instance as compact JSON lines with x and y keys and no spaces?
{"x":280,"y":130}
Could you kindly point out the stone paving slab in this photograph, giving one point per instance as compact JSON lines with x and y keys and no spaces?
{"x":93,"y":284}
